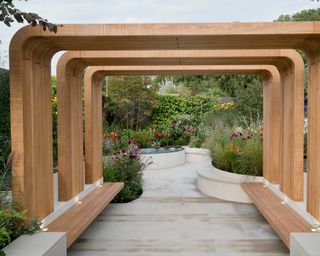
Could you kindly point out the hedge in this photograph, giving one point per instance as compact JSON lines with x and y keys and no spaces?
{"x":171,"y":106}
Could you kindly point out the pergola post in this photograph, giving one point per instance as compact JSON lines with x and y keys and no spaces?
{"x":292,"y":102}
{"x":70,"y":130}
{"x":31,"y":50}
{"x":31,"y":128}
{"x":93,"y":126}
{"x":271,"y":126}
{"x":313,"y":183}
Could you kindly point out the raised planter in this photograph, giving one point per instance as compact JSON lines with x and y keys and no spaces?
{"x":162,"y":158}
{"x":224,"y":185}
{"x":197,"y":155}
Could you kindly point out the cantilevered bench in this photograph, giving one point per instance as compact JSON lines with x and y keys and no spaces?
{"x":281,"y":217}
{"x":75,"y":220}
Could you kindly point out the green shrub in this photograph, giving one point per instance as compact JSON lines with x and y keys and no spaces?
{"x":131,"y":101}
{"x":123,"y":165}
{"x":174,"y":134}
{"x":144,"y":138}
{"x":13,"y":224}
{"x":122,"y":168}
{"x":170,"y":107}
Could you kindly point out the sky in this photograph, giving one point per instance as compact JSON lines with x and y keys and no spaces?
{"x":151,"y":11}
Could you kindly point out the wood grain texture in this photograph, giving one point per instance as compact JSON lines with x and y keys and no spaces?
{"x":281,"y":217}
{"x":31,"y":46}
{"x":284,"y":60}
{"x":292,"y":104}
{"x":93,"y":126}
{"x":70,"y":132}
{"x":313,"y":182}
{"x":272,"y":115}
{"x":75,"y":220}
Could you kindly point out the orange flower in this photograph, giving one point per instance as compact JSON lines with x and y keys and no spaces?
{"x":114,"y":135}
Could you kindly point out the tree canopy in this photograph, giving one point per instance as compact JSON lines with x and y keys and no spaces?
{"x":9,"y":14}
{"x":305,"y":15}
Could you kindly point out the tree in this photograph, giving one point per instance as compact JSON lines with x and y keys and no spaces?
{"x":9,"y":14}
{"x":131,"y":100}
{"x":305,"y":15}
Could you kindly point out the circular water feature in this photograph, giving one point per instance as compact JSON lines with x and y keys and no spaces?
{"x":160,"y":150}
{"x":162,"y":158}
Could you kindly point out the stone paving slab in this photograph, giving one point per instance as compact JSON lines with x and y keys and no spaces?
{"x":173,"y":218}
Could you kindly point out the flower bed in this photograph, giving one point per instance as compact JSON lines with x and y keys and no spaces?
{"x":122,"y":164}
{"x":223,"y":185}
{"x":237,"y":150}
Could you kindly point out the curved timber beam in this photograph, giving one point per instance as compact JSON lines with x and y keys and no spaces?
{"x":291,"y":70}
{"x":93,"y":106}
{"x":31,"y":50}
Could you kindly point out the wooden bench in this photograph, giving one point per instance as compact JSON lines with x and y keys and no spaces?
{"x":280,"y":216}
{"x":76,"y":219}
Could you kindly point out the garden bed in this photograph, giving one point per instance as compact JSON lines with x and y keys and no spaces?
{"x":224,"y":185}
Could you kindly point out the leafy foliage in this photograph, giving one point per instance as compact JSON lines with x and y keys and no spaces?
{"x":304,"y":15}
{"x":9,"y":14}
{"x":5,"y":142}
{"x":123,"y":165}
{"x":131,"y":100}
{"x":222,"y":85}
{"x":170,"y":107}
{"x":249,"y":100}
{"x":13,"y":224}
{"x":237,"y":150}
{"x":124,"y":169}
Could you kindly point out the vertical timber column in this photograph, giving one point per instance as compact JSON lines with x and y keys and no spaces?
{"x":292,"y":130}
{"x":93,"y":125}
{"x":266,"y":136}
{"x":70,"y":131}
{"x":31,"y":129}
{"x":313,"y":183}
{"x":272,"y":127}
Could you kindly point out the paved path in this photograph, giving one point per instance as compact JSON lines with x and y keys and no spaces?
{"x":173,"y":218}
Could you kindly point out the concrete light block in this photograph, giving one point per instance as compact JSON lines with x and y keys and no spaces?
{"x":39,"y":244}
{"x":305,"y":244}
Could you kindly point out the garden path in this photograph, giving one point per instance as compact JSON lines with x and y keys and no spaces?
{"x":172,"y":218}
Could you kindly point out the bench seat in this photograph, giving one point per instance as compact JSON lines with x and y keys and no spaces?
{"x":76,"y":219}
{"x":283,"y":219}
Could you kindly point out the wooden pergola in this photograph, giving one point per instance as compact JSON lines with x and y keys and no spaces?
{"x":289,"y":63}
{"x":95,"y":75}
{"x":31,"y":51}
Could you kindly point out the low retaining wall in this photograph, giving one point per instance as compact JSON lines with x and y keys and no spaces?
{"x":217,"y":183}
{"x":197,"y":155}
{"x":160,"y":161}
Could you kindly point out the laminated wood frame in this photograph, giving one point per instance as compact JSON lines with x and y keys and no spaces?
{"x":93,"y":108}
{"x":31,"y":50}
{"x":288,"y":62}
